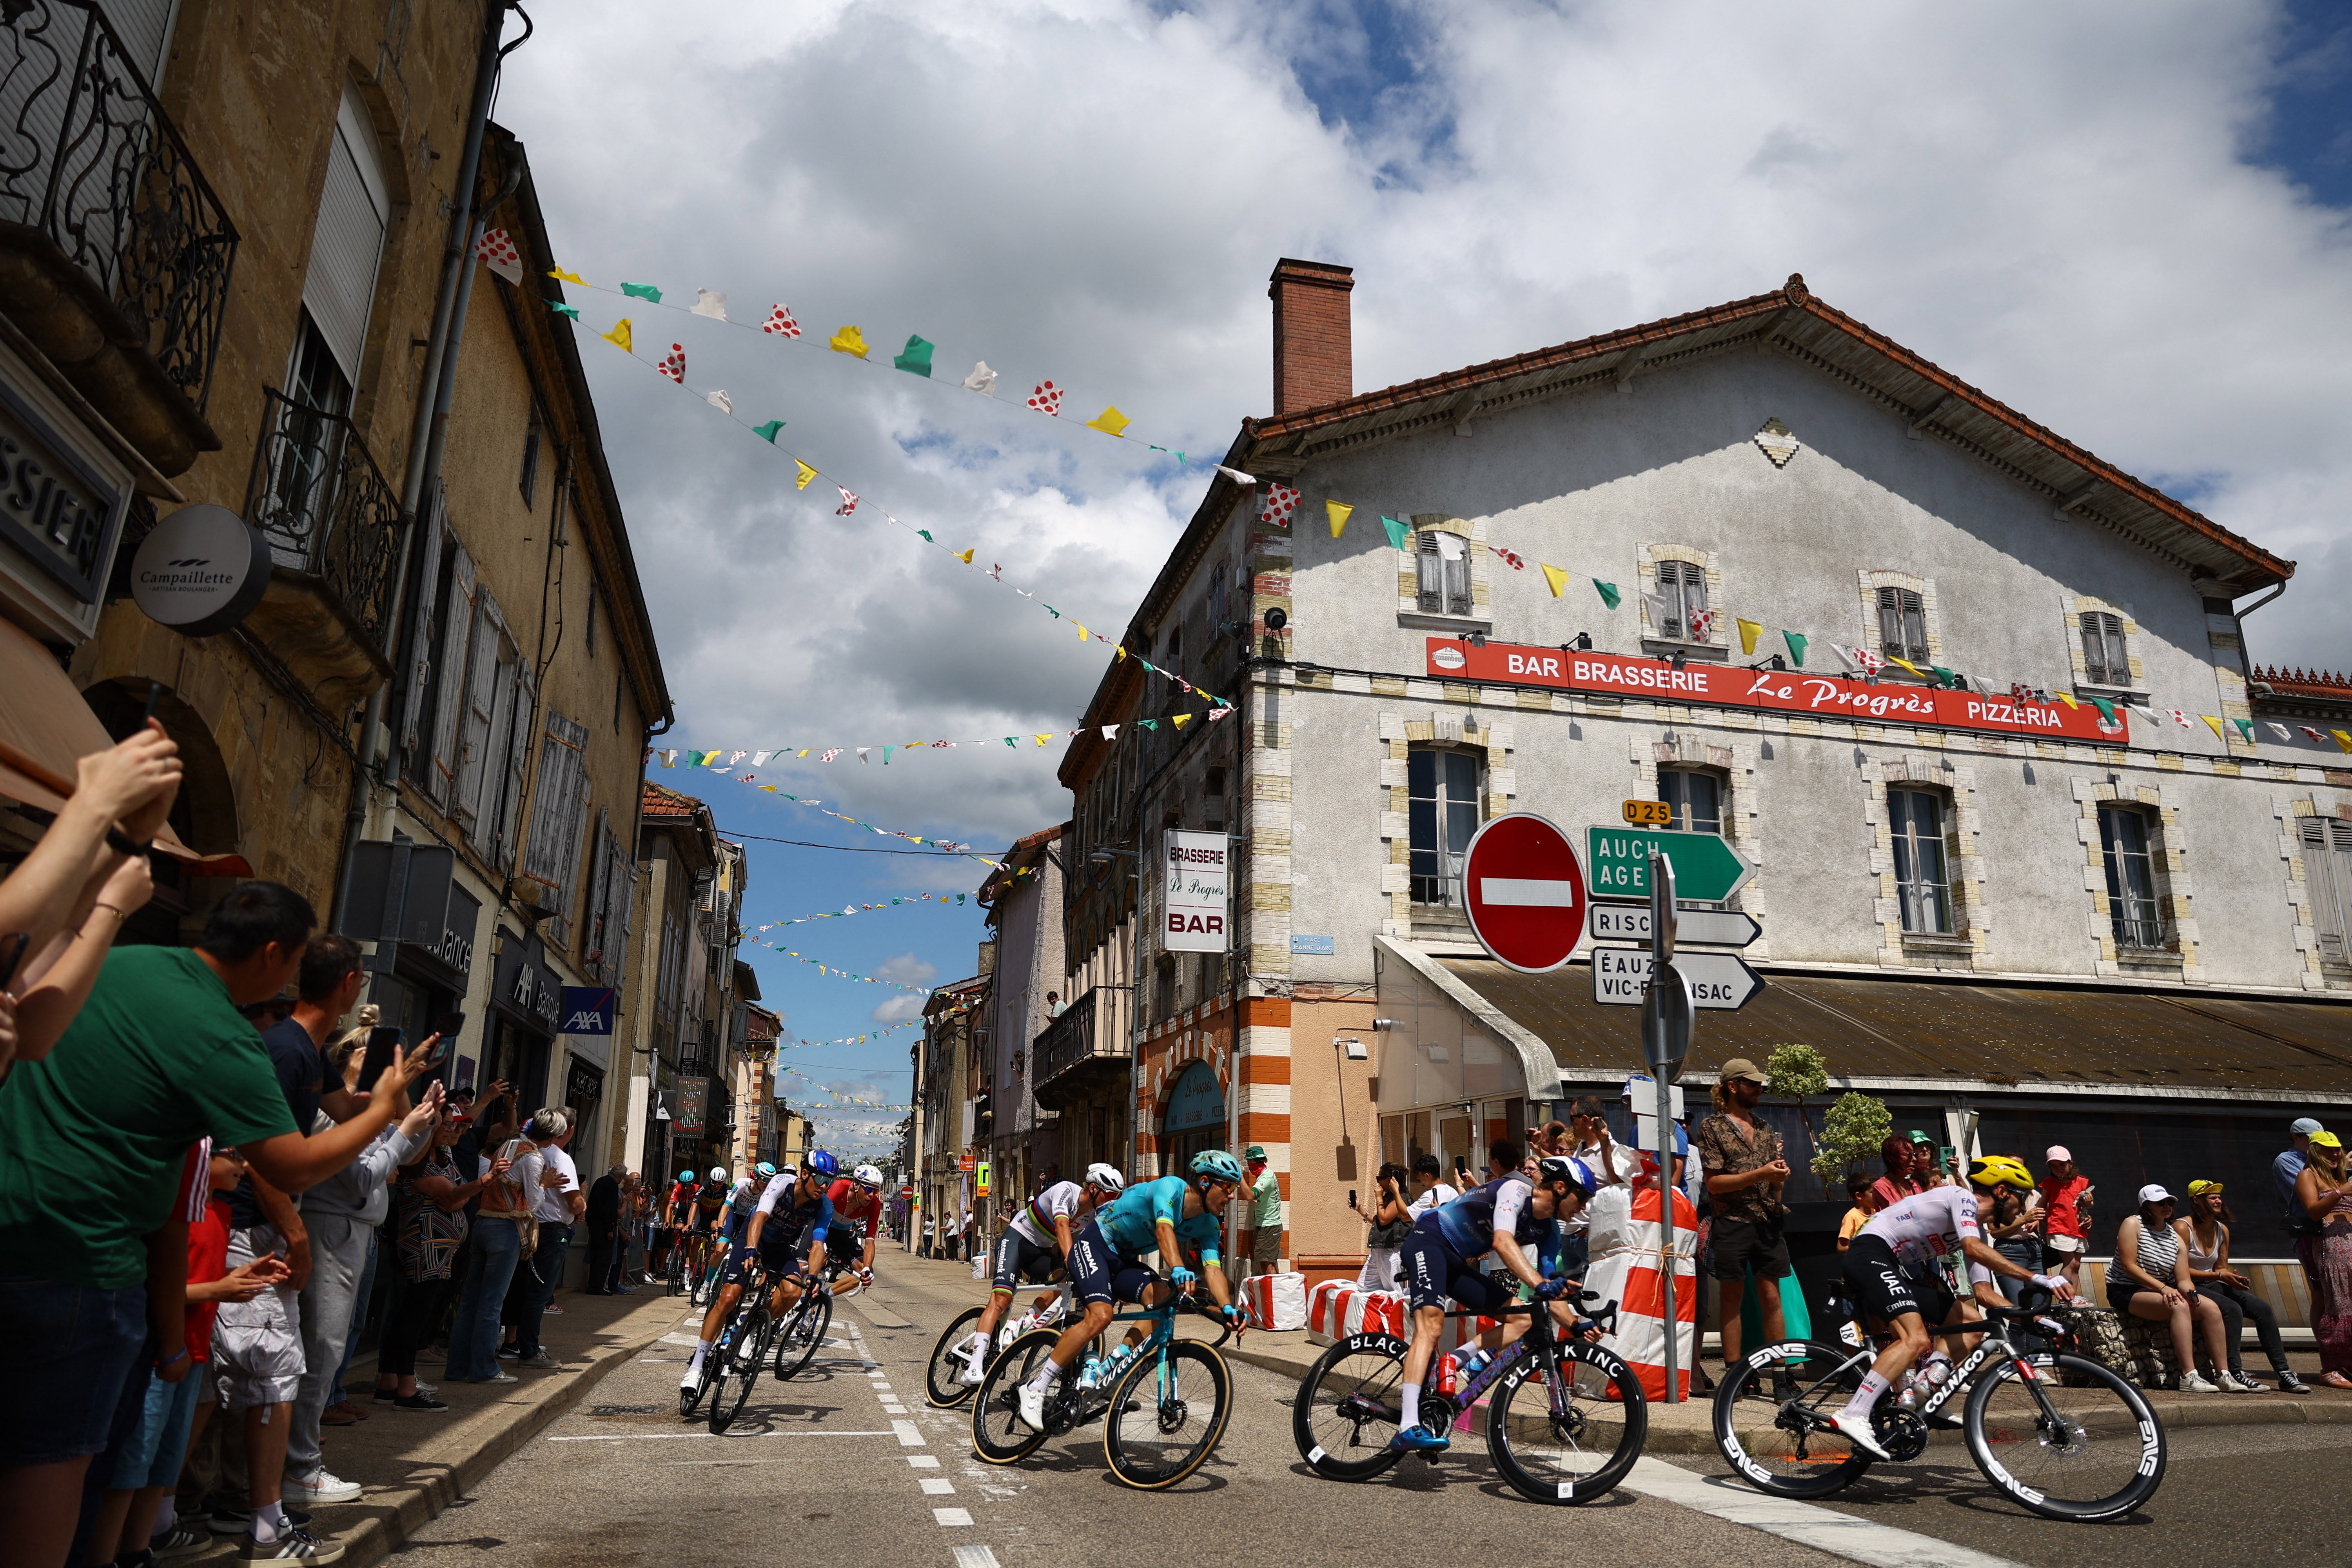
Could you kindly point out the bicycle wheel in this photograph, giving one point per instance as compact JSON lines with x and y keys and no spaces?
{"x":1565,"y":1425}
{"x":1796,"y":1454}
{"x":690,"y":1394}
{"x":998,"y":1434}
{"x":2093,"y":1450}
{"x":943,"y":1382}
{"x":804,"y":1332}
{"x":1167,"y":1412}
{"x":1347,"y":1409}
{"x":739,"y":1368}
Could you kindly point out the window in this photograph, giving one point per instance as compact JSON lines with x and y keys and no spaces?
{"x":2131,"y":877}
{"x":528,"y":483}
{"x":1902,"y":624}
{"x":1922,"y":877}
{"x":1441,"y":564}
{"x":2328,"y":877}
{"x":347,"y":245}
{"x":591,"y":620}
{"x":1696,"y":799}
{"x":620,"y":681}
{"x":559,"y":811}
{"x":1682,"y":614}
{"x":2105,"y":662}
{"x":1444,"y":789}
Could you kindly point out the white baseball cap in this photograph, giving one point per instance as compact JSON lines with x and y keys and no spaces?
{"x":2153,"y":1192}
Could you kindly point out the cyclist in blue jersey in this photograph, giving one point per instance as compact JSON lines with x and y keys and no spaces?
{"x":793,"y":1210}
{"x":735,"y":1213}
{"x":1508,"y":1216}
{"x":1175,"y":1215}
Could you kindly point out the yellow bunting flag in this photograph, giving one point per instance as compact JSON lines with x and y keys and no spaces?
{"x":619,"y":336}
{"x":1082,"y":633}
{"x":1907,"y":665}
{"x":2215,"y":725}
{"x":2342,"y":739}
{"x":2067,"y":698}
{"x":1110,"y":421}
{"x":1042,"y":739}
{"x":1748,"y":632}
{"x":1556,"y":577}
{"x":1121,"y":651}
{"x":1178,"y":719}
{"x":808,"y":474}
{"x":966,"y":556}
{"x":848,"y":341}
{"x":569,"y":276}
{"x":1338,"y":515}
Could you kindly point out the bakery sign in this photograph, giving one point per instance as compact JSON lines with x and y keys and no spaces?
{"x":1775,"y":690}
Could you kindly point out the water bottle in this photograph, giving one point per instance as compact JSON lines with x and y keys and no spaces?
{"x":1090,"y":1374}
{"x":1907,"y":1392}
{"x":1475,"y":1365}
{"x":1937,"y":1373}
{"x":1449,"y":1375}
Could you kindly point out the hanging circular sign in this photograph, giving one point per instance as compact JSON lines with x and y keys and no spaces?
{"x":201,"y":571}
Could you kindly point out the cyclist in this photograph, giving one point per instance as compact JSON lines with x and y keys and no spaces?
{"x":1893,"y":1270}
{"x":792,"y":1208}
{"x":1173,"y":1214}
{"x":1036,"y":1245}
{"x":1508,"y":1216}
{"x":677,"y":1211}
{"x":743,"y":1197}
{"x":856,"y":1199}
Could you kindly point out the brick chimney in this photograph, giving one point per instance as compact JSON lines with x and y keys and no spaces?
{"x":1314,"y":356}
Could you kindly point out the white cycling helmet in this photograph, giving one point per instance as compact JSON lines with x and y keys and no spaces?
{"x":1107,"y":1177}
{"x":869,"y":1177}
{"x":717,"y":1173}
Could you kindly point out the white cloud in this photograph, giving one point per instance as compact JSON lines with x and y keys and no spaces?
{"x":896,"y":1010}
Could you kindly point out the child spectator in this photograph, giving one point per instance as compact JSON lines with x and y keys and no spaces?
{"x":1865,"y":1203}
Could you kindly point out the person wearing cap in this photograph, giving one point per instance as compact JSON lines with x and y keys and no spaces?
{"x":2325,"y":1190}
{"x":2284,"y":1171}
{"x":1923,"y":1162}
{"x":1745,"y":1175}
{"x":2066,"y":1200}
{"x":1264,"y":1246}
{"x":2149,"y":1279}
{"x":2204,"y":1235}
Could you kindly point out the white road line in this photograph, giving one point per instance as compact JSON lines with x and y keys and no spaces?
{"x":923,"y":1462}
{"x":937,"y":1485}
{"x":1825,"y":1530}
{"x":954,"y":1517}
{"x":909,"y":1436}
{"x":974,"y":1557}
{"x":706,"y":1435}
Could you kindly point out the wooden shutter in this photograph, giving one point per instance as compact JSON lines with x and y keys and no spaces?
{"x":517,"y":764}
{"x":558,"y":802}
{"x":2104,"y":660}
{"x":449,"y":690}
{"x":478,"y":729}
{"x":424,"y":644}
{"x":2326,"y":859}
{"x":1429,"y":571}
{"x":347,"y":245}
{"x":624,"y":872}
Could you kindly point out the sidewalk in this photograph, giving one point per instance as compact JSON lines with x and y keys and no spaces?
{"x":413,"y":1465}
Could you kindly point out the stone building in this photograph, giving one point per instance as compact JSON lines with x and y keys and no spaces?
{"x":1023,"y":899}
{"x":2014,"y":918}
{"x":952,"y":1099}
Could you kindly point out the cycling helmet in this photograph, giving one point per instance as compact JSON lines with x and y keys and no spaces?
{"x":2001,"y":1170}
{"x":765,"y":1168}
{"x":1568,"y":1169}
{"x":1107,"y":1177}
{"x":687,"y":1176}
{"x":717,"y":1173}
{"x":823,"y":1163}
{"x":869,"y":1178}
{"x":1216,"y":1165}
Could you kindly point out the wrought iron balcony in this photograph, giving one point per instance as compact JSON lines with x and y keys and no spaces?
{"x":107,"y":223}
{"x":1072,"y":1056}
{"x":331,"y":518}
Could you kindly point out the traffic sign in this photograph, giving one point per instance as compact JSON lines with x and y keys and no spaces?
{"x":1705,"y":869}
{"x":1656,"y":812}
{"x":1523,"y":889}
{"x":1720,"y":982}
{"x":1708,"y":928}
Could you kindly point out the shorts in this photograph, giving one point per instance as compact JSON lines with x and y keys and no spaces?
{"x":844,"y":1247}
{"x":157,"y":1444}
{"x":1265,"y":1244}
{"x":1741,"y":1242}
{"x":257,"y":1344}
{"x":67,"y":1349}
{"x":1099,"y":1274}
{"x":1433,"y":1273}
{"x":1882,"y":1288}
{"x":1021,"y":1261}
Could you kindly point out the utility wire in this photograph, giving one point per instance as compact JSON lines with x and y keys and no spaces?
{"x":853,"y":849}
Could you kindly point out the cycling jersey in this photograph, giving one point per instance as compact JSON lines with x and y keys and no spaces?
{"x":741,"y":1201}
{"x":1469,"y":1223}
{"x":1035,"y":1219}
{"x":681,"y":1196}
{"x":1131,"y":1225}
{"x":848,"y":1199}
{"x":1923,"y":1228}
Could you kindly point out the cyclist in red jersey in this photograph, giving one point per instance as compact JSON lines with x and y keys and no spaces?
{"x":856,"y":1201}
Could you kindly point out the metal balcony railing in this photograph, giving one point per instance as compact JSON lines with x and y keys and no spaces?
{"x":89,"y":161}
{"x":327,"y":509}
{"x":1071,"y":1039}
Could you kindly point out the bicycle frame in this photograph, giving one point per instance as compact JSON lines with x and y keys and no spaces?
{"x":1993,"y":1327}
{"x":1541,"y":1336}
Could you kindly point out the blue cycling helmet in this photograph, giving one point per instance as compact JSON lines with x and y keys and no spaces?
{"x":764,"y":1168}
{"x":685,"y":1176}
{"x":1215,"y":1164}
{"x":1568,"y":1169}
{"x":823,"y":1163}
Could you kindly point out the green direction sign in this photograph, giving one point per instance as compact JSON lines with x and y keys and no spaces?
{"x":1706,"y":869}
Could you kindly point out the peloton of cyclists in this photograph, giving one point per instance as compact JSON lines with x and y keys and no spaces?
{"x":1894,"y":1271}
{"x":1035,"y":1245}
{"x":1175,"y":1215}
{"x":794,"y":1209}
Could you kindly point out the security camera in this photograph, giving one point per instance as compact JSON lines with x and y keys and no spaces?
{"x":1384,"y":1025}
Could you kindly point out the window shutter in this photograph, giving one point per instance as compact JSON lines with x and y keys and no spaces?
{"x":518,"y":765}
{"x":1457,"y":582}
{"x":2104,"y":657}
{"x":600,"y":872}
{"x":420,"y":672}
{"x":1890,"y":623}
{"x":625,"y":872}
{"x":339,"y":288}
{"x":145,"y":28}
{"x":450,"y":689}
{"x":477,"y":720}
{"x":2326,"y":858}
{"x":1429,"y":571}
{"x":551,"y":859}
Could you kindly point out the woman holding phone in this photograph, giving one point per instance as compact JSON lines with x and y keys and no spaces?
{"x":1390,"y":1224}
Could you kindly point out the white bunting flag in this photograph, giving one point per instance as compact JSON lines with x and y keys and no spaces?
{"x":1237,"y":475}
{"x":710,"y":303}
{"x":2281,"y":731}
{"x":722,"y":402}
{"x":982,"y":380}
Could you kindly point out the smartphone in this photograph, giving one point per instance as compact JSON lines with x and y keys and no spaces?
{"x":1351,"y":1197}
{"x":383,"y":1048}
{"x":1943,"y":1155}
{"x":155,"y":696}
{"x":449,"y":1025}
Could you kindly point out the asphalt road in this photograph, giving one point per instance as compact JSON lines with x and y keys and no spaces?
{"x":846,"y":1463}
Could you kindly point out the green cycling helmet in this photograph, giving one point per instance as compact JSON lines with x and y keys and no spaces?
{"x":1215,"y":1164}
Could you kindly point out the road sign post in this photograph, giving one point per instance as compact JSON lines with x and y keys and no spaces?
{"x":1523,"y":889}
{"x":1706,"y":869}
{"x":1665,"y":1052}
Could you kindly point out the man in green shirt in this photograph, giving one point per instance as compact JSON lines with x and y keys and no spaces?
{"x":1264,"y":1246}
{"x":91,"y":1143}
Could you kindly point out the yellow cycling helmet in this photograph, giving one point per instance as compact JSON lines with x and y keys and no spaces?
{"x":2001,"y":1170}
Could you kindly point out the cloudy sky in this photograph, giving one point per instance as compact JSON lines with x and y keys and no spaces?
{"x":2127,"y":220}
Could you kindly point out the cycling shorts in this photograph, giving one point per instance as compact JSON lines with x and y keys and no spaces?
{"x":1435,"y":1273}
{"x":1021,"y":1261}
{"x":1098,"y":1273}
{"x":739,"y":1264}
{"x":1882,"y":1288}
{"x":704,"y":1223}
{"x":844,"y":1245}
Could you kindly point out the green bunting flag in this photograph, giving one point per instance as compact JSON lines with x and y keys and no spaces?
{"x":927,"y":536}
{"x":2106,"y":711}
{"x":1398,"y":532}
{"x":1796,"y":641}
{"x":1943,"y":676}
{"x":1151,"y":723}
{"x":768,"y":432}
{"x":642,"y":292}
{"x":2245,"y":728}
{"x":1608,"y":591}
{"x":560,"y":309}
{"x":917,"y":357}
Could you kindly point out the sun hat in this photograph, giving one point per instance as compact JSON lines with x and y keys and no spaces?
{"x":2057,"y":1154}
{"x":1919,"y":1137}
{"x":2153,"y":1192}
{"x":1254,"y":1152}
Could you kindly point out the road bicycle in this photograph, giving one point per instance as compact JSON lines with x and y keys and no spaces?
{"x":674,"y":1260}
{"x":710,"y":1268}
{"x":943,"y":1380}
{"x":2062,"y":1433}
{"x":1154,"y":1434}
{"x":802,"y":1328}
{"x":736,"y":1355}
{"x":1565,"y":1418}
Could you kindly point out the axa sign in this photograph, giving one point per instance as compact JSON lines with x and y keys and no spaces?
{"x":589,"y":1009}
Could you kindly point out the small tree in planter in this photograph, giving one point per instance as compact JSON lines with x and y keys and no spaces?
{"x":1798,"y":1072}
{"x":1851,"y":1133}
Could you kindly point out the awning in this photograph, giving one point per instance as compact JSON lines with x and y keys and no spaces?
{"x":45,"y":728}
{"x":1971,"y":1036}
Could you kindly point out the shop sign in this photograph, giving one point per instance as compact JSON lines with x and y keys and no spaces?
{"x":524,"y":983}
{"x":56,"y":510}
{"x":589,"y":1009}
{"x":980,"y":1186}
{"x":1770,"y":690}
{"x":1196,"y":893}
{"x":693,"y":1105}
{"x":964,"y":1163}
{"x":455,"y":948}
{"x":1196,"y":1102}
{"x":201,"y":571}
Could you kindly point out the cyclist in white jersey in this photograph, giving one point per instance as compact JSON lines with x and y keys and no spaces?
{"x":1894,"y":1270}
{"x":1035,"y":1246}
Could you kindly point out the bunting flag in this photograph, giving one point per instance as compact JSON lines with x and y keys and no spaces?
{"x":848,"y":341}
{"x":1608,"y":591}
{"x":678,"y":756}
{"x":673,"y":365}
{"x":1243,"y":479}
{"x":561,"y":276}
{"x":1907,"y":665}
{"x":2067,"y":698}
{"x":560,"y":309}
{"x":2106,"y":712}
{"x":498,"y":252}
{"x":2281,"y":731}
{"x":722,"y":402}
{"x":1748,"y":632}
{"x":1516,"y":563}
{"x":2343,"y":740}
{"x":779,"y":324}
{"x":830,"y":972}
{"x":982,"y":380}
{"x":767,"y":432}
{"x":2178,"y":717}
{"x":1555,"y":577}
{"x":712,"y":303}
{"x":2215,"y":725}
{"x":2245,"y":728}
{"x":1796,"y":641}
{"x":915,"y":358}
{"x":1339,"y":514}
{"x":645,"y":291}
{"x":899,"y":901}
{"x":619,"y":336}
{"x":848,"y":502}
{"x":1276,"y":502}
{"x":1399,"y":535}
{"x":1046,"y":399}
{"x":1110,"y":421}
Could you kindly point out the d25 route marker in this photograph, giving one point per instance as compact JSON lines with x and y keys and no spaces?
{"x":1654,"y":812}
{"x":1720,"y":982}
{"x":1707,"y":928}
{"x":1524,"y":893}
{"x":1706,"y":869}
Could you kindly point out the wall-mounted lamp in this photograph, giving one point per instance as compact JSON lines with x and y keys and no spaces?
{"x":1677,"y":659}
{"x":1581,"y":643}
{"x":1275,"y":619}
{"x":1384,"y":1025}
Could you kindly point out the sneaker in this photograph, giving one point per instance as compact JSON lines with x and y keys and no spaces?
{"x":294,"y":1544}
{"x":1032,"y":1407}
{"x":2190,"y":1383}
{"x":180,"y":1541}
{"x":510,"y":1352}
{"x":420,"y":1400}
{"x":501,"y":1377}
{"x":2290,"y":1384}
{"x":2239,"y":1382}
{"x":142,"y":1558}
{"x":553,"y":1311}
{"x":1857,"y":1432}
{"x":1420,"y":1440}
{"x":540,"y":1360}
{"x":324,"y":1487}
{"x":228,"y":1516}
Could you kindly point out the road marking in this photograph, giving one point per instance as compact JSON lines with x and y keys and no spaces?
{"x":673,"y":1436}
{"x":908,"y":1436}
{"x":937,"y":1485}
{"x":689,"y":1340}
{"x":1825,"y":1530}
{"x":974,"y":1557}
{"x":923,"y":1462}
{"x":952,"y":1517}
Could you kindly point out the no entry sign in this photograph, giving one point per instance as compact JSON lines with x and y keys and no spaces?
{"x":1523,"y":888}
